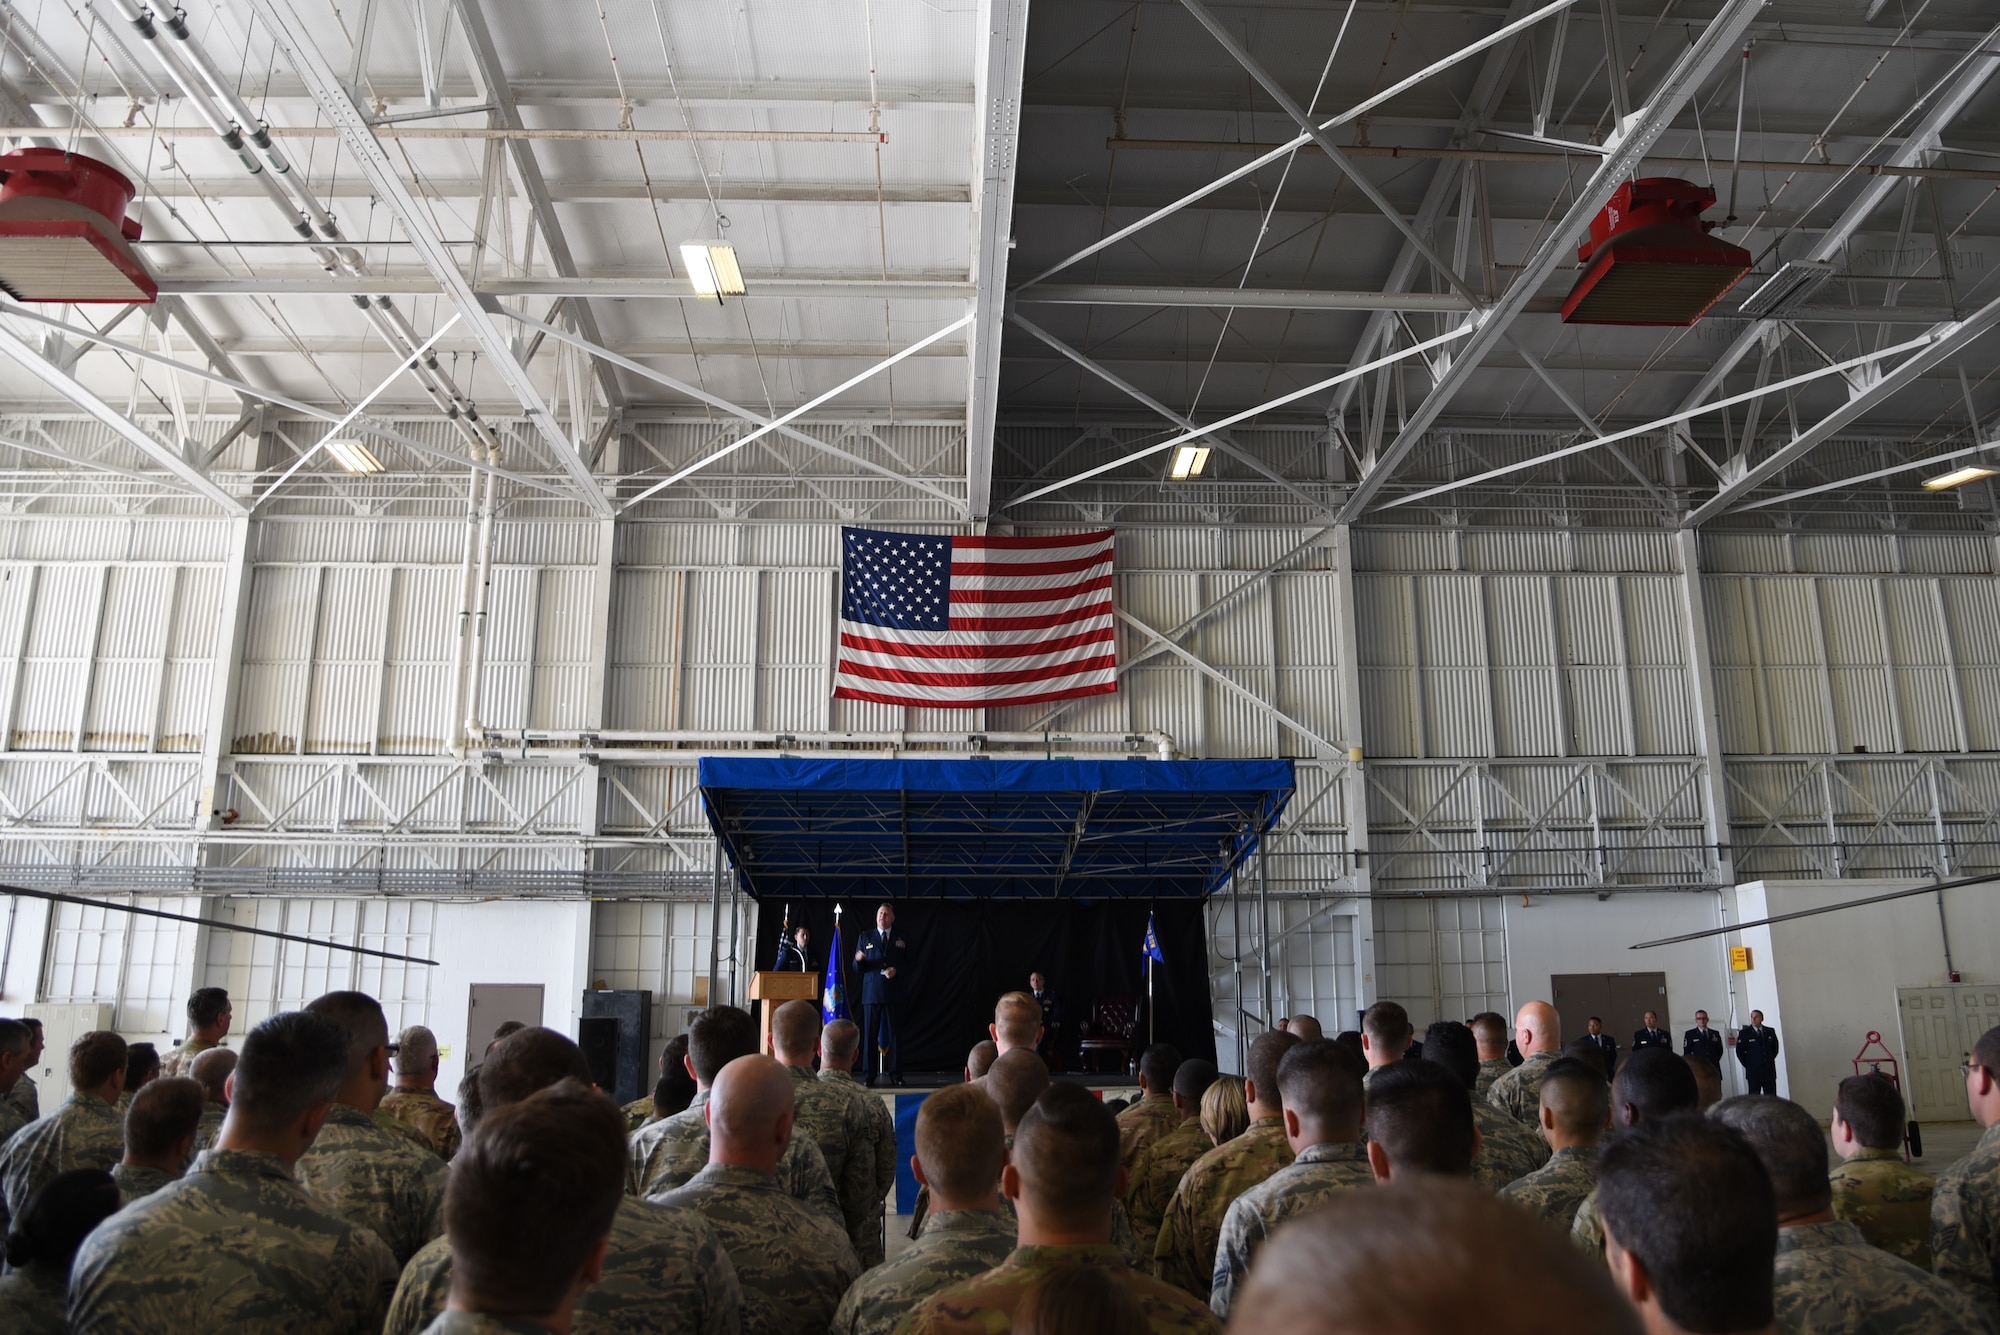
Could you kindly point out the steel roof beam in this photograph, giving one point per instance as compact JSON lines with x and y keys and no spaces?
{"x":472,"y":17}
{"x":552,"y":285}
{"x":191,"y":478}
{"x":1981,"y":64}
{"x":1947,"y":340}
{"x":1627,"y":149}
{"x":999,"y":64}
{"x":290,"y":34}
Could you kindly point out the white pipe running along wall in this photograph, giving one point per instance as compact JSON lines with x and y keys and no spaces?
{"x":535,"y":741}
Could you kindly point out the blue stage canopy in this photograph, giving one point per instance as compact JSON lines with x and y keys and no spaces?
{"x":990,"y":829}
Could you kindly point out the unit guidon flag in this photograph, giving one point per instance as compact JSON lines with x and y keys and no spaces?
{"x":961,"y":622}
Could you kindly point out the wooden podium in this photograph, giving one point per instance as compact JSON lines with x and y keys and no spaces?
{"x":774,"y":989}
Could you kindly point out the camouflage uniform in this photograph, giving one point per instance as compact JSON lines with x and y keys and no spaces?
{"x":668,"y":1153}
{"x":1320,"y":1173}
{"x":1507,"y":1150}
{"x":954,"y":1246}
{"x":1490,"y":1070}
{"x":210,"y":1126}
{"x":134,"y":1182}
{"x":1159,"y":1176}
{"x":664,"y":1274}
{"x":1139,"y":1126}
{"x":1519,"y":1091}
{"x":433,"y":1118}
{"x":32,"y":1299}
{"x":1184,"y":1253}
{"x":402,"y":1130}
{"x":1829,"y":1281}
{"x":360,"y":1171}
{"x":12,"y":1119}
{"x":792,"y":1262}
{"x":182,"y":1057}
{"x":1888,"y":1200}
{"x":25,"y":1097}
{"x":1555,"y":1190}
{"x":1584,"y":1230}
{"x":986,"y":1303}
{"x":1965,"y":1223}
{"x":84,"y":1133}
{"x":235,"y":1245}
{"x":639,"y":1112}
{"x":835,"y":1120}
{"x":882,"y":1127}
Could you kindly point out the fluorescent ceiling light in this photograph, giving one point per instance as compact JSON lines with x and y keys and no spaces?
{"x":1189,"y":460}
{"x":712,"y":268}
{"x":1958,"y":477}
{"x":353,"y":456}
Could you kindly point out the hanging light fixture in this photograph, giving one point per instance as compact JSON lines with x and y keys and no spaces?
{"x":712,"y":268}
{"x":1958,"y":477}
{"x":353,"y":456}
{"x":1189,"y":460}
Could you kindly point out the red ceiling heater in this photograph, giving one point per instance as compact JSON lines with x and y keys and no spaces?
{"x":64,"y":235}
{"x":1650,"y":260}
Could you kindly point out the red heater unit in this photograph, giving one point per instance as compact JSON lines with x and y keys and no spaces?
{"x":64,"y":235}
{"x":1650,"y":260}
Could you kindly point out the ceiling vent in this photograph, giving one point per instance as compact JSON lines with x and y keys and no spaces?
{"x":64,"y":235}
{"x":1650,"y":260}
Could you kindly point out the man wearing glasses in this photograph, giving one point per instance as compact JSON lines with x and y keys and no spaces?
{"x":1965,"y":1206}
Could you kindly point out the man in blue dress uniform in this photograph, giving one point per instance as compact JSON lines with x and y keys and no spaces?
{"x":879,"y":953}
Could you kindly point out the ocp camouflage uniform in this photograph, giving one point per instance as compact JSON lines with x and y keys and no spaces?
{"x":836,"y":1121}
{"x":1158,"y":1176}
{"x":1888,"y":1200}
{"x":182,"y":1057}
{"x":402,"y":1130}
{"x":1507,"y":1150}
{"x":881,"y":1127}
{"x":134,"y":1182}
{"x":1555,"y":1190}
{"x":1320,"y":1173}
{"x":377,"y":1180}
{"x":954,"y":1246}
{"x":1965,"y":1223}
{"x":210,"y":1125}
{"x":1491,"y":1069}
{"x":792,"y":1262}
{"x":1184,"y":1252}
{"x":236,"y":1245}
{"x":433,"y":1118}
{"x":986,"y":1303}
{"x":1139,"y":1127}
{"x":669,"y":1153}
{"x":32,"y":1298}
{"x":665,"y":1273}
{"x":84,"y":1133}
{"x":1519,"y":1091}
{"x":12,"y":1118}
{"x":1830,"y":1281}
{"x":1585,"y":1230}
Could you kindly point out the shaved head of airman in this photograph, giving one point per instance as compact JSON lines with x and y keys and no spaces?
{"x":1537,"y":1028}
{"x":749,"y":1099}
{"x":1015,"y":1082}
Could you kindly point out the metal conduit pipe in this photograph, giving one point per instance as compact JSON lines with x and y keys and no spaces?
{"x":468,"y":548}
{"x":482,"y":586}
{"x":601,"y":738}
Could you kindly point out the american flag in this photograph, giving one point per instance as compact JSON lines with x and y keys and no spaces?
{"x":964,"y":622}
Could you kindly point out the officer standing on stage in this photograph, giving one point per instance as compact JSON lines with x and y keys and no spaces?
{"x":879,"y":953}
{"x":792,"y":952}
{"x":1757,"y":1049}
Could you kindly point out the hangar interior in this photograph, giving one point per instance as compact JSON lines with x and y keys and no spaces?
{"x":385,"y":576}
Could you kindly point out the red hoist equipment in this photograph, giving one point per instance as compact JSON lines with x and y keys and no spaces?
{"x":1650,"y":259}
{"x":64,"y":235}
{"x":1876,"y":1059}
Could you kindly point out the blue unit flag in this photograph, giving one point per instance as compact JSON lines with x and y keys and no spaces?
{"x":833,"y":992}
{"x":1151,"y":948}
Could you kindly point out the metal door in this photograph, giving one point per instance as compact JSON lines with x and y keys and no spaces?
{"x":1940,"y":1025}
{"x":492,"y":1005}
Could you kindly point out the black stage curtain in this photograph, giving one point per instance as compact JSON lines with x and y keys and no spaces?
{"x":963,"y":955}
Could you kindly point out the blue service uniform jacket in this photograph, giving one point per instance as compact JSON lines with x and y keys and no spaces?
{"x":881,"y":950}
{"x":1757,"y":1049}
{"x":1696,"y":1043}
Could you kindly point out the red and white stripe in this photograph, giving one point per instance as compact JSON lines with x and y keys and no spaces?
{"x":1030,"y":621}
